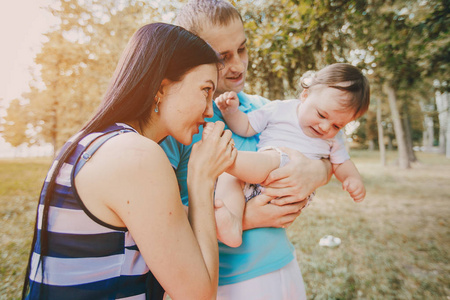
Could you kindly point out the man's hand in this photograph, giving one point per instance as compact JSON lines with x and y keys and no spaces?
{"x":259,"y":212}
{"x":298,"y":179}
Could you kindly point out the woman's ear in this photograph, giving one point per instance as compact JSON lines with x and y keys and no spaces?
{"x":163,"y":88}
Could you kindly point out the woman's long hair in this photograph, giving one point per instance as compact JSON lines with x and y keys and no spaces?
{"x":155,"y":52}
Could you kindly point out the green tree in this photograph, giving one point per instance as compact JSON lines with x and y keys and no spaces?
{"x":288,"y":38}
{"x":395,"y":36}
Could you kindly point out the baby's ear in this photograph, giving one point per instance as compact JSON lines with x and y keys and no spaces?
{"x":304,"y":95}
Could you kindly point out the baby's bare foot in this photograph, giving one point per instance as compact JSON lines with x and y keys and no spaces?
{"x":229,"y":226}
{"x":207,"y":129}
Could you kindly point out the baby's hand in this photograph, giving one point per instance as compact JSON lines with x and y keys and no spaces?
{"x":228,"y":102}
{"x":355,"y":187}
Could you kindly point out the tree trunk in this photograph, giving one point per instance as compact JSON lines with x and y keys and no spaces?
{"x":447,"y":152}
{"x":408,"y":137}
{"x":390,"y":145}
{"x":54,"y":145}
{"x":443,"y":106}
{"x":54,"y":129}
{"x":428,"y":133}
{"x":398,"y":129}
{"x":447,"y":146}
{"x":380,"y":134}
{"x":442,"y":140}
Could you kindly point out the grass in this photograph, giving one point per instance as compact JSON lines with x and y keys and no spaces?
{"x":394,"y":245}
{"x":20,"y":183}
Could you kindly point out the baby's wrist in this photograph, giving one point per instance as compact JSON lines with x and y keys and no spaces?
{"x":229,"y":110}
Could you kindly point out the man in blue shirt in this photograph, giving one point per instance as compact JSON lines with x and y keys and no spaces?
{"x":264,"y":265}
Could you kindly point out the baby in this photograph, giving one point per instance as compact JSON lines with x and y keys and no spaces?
{"x":333,"y":97}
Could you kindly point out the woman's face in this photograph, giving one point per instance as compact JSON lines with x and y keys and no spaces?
{"x":184,"y":105}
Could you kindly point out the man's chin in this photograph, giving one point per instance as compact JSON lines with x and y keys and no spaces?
{"x":237,"y":88}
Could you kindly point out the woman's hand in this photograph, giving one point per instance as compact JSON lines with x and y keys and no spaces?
{"x":209,"y":158}
{"x":214,"y":154}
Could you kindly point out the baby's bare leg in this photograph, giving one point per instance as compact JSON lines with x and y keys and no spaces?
{"x":229,"y":210}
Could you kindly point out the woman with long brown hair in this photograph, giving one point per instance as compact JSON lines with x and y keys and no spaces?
{"x":110,"y":222}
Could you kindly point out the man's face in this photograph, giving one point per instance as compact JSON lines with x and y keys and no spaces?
{"x":230,"y":42}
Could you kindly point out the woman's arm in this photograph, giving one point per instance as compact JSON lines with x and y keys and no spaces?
{"x":139,"y":190}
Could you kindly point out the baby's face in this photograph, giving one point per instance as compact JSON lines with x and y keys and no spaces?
{"x":322,"y":112}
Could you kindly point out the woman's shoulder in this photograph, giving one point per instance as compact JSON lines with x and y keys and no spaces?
{"x":133,"y":146}
{"x":129,"y":152}
{"x":127,"y":166}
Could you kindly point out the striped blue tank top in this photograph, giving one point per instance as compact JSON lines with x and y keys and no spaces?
{"x":87,"y":259}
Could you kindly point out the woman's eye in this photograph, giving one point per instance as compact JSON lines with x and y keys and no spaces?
{"x":242,"y":49}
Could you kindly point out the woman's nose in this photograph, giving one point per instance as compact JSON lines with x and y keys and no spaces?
{"x":209,"y":112}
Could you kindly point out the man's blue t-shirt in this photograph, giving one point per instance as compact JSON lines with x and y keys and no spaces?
{"x":263,"y":250}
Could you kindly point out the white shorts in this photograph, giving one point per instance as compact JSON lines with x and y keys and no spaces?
{"x":283,"y":284}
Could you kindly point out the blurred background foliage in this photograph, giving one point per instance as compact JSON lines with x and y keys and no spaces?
{"x":402,"y":46}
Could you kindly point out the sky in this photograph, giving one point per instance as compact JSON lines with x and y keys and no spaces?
{"x":22,"y":23}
